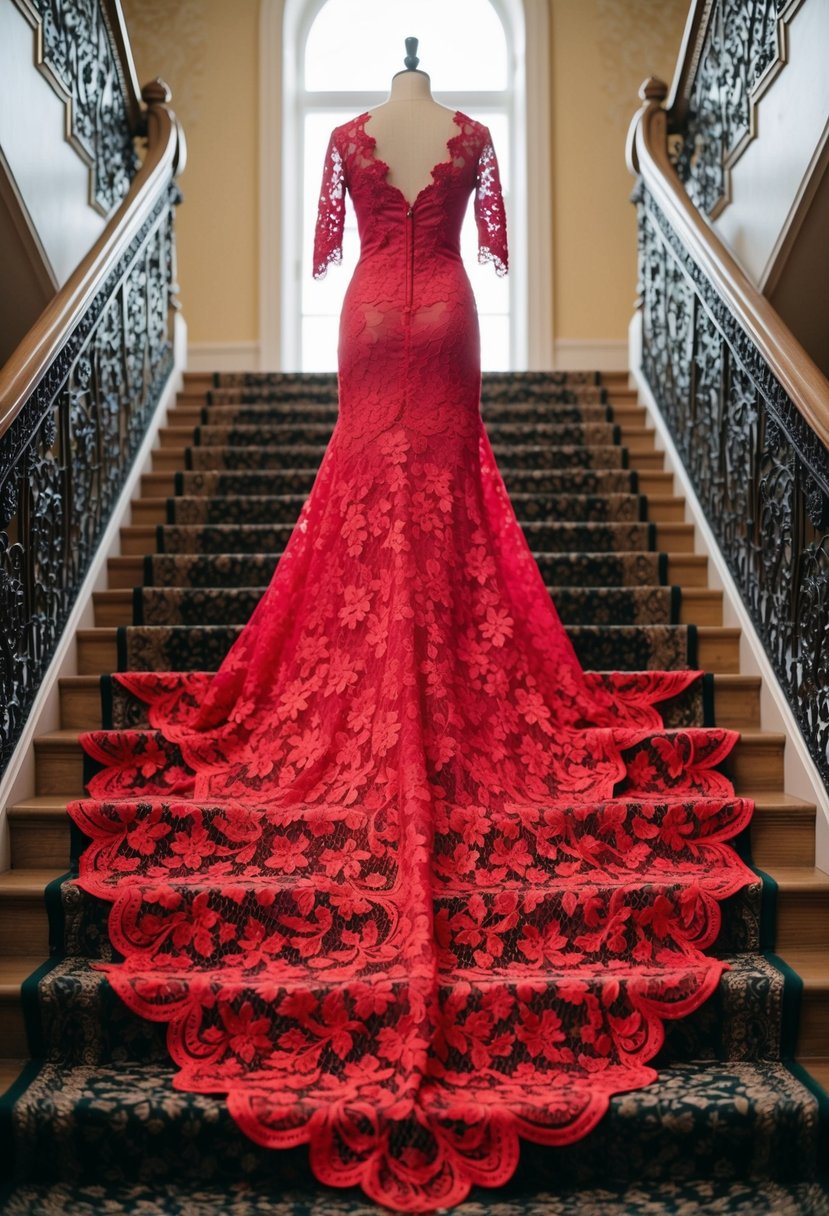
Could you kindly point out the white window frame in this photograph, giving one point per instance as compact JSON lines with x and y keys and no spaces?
{"x":284,"y":26}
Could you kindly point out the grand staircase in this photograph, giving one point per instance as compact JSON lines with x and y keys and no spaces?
{"x":735,"y":1122}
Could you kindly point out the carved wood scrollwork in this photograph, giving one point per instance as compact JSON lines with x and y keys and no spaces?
{"x":760,"y":472}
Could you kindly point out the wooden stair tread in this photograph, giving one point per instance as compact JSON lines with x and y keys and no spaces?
{"x":47,"y":806}
{"x":671,"y":528}
{"x":14,"y":968}
{"x":58,"y":738}
{"x":799,"y":878}
{"x":729,"y":679}
{"x":183,"y":434}
{"x":38,"y":806}
{"x":818,"y":1067}
{"x":766,"y":800}
{"x":27,"y":882}
{"x":751,"y":735}
{"x":811,"y":964}
{"x":176,"y":451}
{"x":10,"y":1070}
{"x":128,"y":569}
{"x":94,"y":632}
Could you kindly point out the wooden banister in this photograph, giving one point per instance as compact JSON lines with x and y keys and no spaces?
{"x":81,"y":389}
{"x":746,"y":407}
{"x":647,"y":157}
{"x":165,"y":158}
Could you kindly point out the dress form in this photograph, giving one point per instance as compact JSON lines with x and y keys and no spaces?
{"x":411,"y":130}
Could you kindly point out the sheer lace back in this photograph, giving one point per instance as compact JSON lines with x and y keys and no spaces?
{"x":350,"y":164}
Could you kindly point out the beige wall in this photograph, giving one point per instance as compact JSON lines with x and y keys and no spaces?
{"x":601,"y":50}
{"x":207,"y":51}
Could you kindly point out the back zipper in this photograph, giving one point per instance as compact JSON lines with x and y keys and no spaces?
{"x":409,"y":256}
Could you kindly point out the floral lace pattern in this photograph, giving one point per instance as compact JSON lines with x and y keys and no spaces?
{"x":350,"y":164}
{"x":403,"y":880}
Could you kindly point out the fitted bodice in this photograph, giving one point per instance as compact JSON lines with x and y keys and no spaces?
{"x":409,"y":341}
{"x":411,"y":235}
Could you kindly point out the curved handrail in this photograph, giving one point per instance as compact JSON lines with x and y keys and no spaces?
{"x":647,"y":157}
{"x":164,"y":159}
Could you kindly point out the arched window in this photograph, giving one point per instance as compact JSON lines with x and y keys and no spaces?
{"x":338,"y":60}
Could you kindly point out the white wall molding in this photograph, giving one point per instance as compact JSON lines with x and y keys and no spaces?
{"x":18,"y":781}
{"x":538,"y":175}
{"x":801,"y":777}
{"x":226,"y":357}
{"x":271,"y":55}
{"x":589,"y":354}
{"x":809,"y":187}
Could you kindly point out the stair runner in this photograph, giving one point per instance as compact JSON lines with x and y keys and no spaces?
{"x":94,"y":1125}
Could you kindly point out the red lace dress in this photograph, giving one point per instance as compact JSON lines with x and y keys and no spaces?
{"x":405,"y":882}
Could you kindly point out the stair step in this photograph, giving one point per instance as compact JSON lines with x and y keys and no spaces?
{"x":640,"y":438}
{"x":75,"y":981}
{"x":14,"y":969}
{"x":698,"y":606}
{"x":802,"y":907}
{"x":189,"y":413}
{"x":782,"y":829}
{"x":818,"y":1066}
{"x":162,"y":485}
{"x":10,"y":1070}
{"x":148,"y":511}
{"x":700,"y":1197}
{"x":39,"y":832}
{"x":761,"y":1114}
{"x":24,"y":925}
{"x":757,"y":759}
{"x":684,"y":570}
{"x":813,"y":968}
{"x":173,"y":459}
{"x":736,"y":701}
{"x":142,"y":538}
{"x":718,"y":649}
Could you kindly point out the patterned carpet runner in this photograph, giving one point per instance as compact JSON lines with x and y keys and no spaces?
{"x":95,"y":1125}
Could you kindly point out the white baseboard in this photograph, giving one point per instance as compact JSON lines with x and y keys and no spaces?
{"x":18,"y":781}
{"x":588,"y":354}
{"x":801,"y":776}
{"x":223,"y":356}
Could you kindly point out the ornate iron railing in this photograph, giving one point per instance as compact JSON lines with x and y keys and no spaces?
{"x":81,"y":52}
{"x":75,"y":400}
{"x":749,"y":415}
{"x":732,"y":53}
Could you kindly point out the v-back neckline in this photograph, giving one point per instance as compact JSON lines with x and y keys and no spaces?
{"x":458,"y":117}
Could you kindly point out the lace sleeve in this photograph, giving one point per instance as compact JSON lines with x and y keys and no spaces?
{"x":328,"y":234}
{"x":490,"y":215}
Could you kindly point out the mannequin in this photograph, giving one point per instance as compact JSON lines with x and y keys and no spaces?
{"x":412,"y":128}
